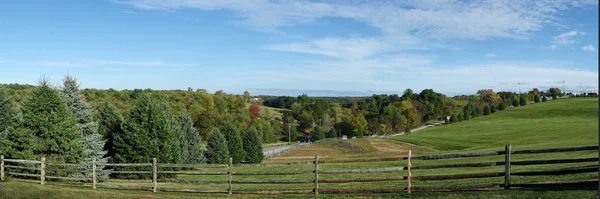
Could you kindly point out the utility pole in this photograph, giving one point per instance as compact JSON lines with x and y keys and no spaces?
{"x":520,"y":83}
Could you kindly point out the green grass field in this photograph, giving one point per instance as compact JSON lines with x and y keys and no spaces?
{"x":553,"y":124}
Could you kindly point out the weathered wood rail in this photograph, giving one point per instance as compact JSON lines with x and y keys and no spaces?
{"x":40,"y":169}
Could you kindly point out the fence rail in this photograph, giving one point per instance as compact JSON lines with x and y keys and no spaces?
{"x":23,"y":168}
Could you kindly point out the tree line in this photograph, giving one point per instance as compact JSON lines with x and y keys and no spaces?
{"x":60,"y":123}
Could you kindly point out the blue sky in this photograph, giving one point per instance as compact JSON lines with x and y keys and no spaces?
{"x":290,"y":47}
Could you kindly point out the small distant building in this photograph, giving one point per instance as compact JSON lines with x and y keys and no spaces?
{"x":256,"y":98}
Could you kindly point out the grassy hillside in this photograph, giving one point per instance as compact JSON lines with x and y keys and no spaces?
{"x":558,"y":123}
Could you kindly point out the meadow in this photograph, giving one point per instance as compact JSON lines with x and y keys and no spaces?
{"x":553,"y":124}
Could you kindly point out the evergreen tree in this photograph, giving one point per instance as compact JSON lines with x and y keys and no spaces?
{"x":234,"y":142}
{"x":9,"y":117}
{"x":253,"y":146}
{"x":111,"y":127}
{"x":19,"y":143}
{"x":332,"y":133}
{"x":52,"y":125}
{"x":544,"y":99}
{"x":536,"y":98}
{"x":90,"y":140}
{"x":318,"y":133}
{"x":190,"y":142}
{"x":148,"y":133}
{"x":217,"y":151}
{"x":486,"y":110}
{"x":9,"y":113}
{"x":522,"y":100}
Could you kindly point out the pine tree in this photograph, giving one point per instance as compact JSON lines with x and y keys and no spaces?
{"x":234,"y":142}
{"x":318,"y":134}
{"x":9,"y":118}
{"x":217,"y":151}
{"x":110,"y":126}
{"x":148,"y":133}
{"x":332,"y":133}
{"x":9,"y":113}
{"x":190,"y":142}
{"x":52,"y":124}
{"x":253,"y":146}
{"x":89,"y":138}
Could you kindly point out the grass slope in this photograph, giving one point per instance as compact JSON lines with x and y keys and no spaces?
{"x":556,"y":123}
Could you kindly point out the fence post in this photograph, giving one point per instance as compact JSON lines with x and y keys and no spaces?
{"x":1,"y":167}
{"x":230,"y":178}
{"x":409,"y":176}
{"x":154,"y":175}
{"x":316,"y":175}
{"x":42,"y":170}
{"x":507,"y":167}
{"x":94,"y":174}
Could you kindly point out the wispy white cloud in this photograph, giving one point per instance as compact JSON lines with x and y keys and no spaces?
{"x":107,"y":63}
{"x":402,"y":71}
{"x":566,"y":38}
{"x":491,"y":55}
{"x":130,"y":12}
{"x":589,"y":48}
{"x":350,"y":49}
{"x":440,"y":19}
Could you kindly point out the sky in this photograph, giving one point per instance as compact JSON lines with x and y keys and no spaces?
{"x":325,"y":48}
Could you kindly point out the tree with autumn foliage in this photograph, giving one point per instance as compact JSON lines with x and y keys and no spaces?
{"x":254,"y":110}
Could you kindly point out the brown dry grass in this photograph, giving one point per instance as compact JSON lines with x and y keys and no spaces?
{"x":371,"y":148}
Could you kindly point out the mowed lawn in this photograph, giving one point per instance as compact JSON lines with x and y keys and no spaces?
{"x":553,"y":124}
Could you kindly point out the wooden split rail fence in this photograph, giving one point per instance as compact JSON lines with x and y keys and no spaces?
{"x":34,"y":169}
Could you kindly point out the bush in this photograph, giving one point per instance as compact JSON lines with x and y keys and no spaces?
{"x":486,"y":110}
{"x":522,"y":100}
{"x":253,"y":146}
{"x":501,"y":106}
{"x":544,"y":99}
{"x":217,"y":151}
{"x":466,"y":114}
{"x":493,"y":108}
{"x":515,"y":103}
{"x":536,"y":98}
{"x":453,"y":118}
{"x":461,"y":116}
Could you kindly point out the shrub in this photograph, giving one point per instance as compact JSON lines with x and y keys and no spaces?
{"x":466,"y":114}
{"x":501,"y":106}
{"x":461,"y":116}
{"x":515,"y":103}
{"x":493,"y":108}
{"x":486,"y":110}
{"x":536,"y":98}
{"x":522,"y":100}
{"x":544,"y":99}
